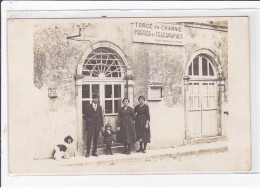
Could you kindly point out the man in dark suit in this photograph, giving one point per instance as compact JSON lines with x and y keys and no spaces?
{"x":94,"y":124}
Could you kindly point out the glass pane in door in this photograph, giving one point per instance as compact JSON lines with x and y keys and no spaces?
{"x":108,"y":106}
{"x":108,"y":91}
{"x":86,"y":91}
{"x":117,"y":91}
{"x":84,"y":105}
{"x":117,"y":106}
{"x":95,"y":90}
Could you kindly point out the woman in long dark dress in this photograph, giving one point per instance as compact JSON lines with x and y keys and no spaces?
{"x":126,"y":133}
{"x":142,"y":124}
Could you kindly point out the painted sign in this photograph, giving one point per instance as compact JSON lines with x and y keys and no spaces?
{"x":158,"y":33}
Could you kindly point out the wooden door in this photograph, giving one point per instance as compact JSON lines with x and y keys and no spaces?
{"x":202,"y":109}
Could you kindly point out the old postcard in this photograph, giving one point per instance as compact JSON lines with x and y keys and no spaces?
{"x":128,"y":95}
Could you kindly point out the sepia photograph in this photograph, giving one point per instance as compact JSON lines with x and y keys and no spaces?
{"x":127,"y":96}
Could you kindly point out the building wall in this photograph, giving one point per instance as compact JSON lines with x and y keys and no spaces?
{"x":55,"y":65}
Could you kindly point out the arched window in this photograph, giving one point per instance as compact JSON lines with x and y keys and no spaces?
{"x":201,"y":66}
{"x":103,"y":62}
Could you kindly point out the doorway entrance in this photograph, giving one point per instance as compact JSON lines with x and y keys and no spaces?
{"x":103,"y":73}
{"x":202,"y":99}
{"x":110,"y":98}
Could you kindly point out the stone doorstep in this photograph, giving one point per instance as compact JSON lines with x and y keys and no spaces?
{"x":101,"y":149}
{"x":187,"y":150}
{"x":204,"y":140}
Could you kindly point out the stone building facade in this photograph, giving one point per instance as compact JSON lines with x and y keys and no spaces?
{"x":185,"y":85}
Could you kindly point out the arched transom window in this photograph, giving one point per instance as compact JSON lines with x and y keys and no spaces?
{"x":103,"y":62}
{"x":201,"y":66}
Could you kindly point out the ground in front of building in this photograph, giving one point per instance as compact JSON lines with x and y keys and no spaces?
{"x":207,"y":157}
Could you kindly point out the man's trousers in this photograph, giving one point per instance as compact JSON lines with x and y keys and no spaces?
{"x":91,"y":134}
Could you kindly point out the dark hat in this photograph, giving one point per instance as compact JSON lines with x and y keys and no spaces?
{"x":94,"y":96}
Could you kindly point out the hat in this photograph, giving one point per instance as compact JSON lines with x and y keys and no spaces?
{"x":95,"y":96}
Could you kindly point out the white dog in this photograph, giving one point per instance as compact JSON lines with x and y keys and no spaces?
{"x":60,"y":150}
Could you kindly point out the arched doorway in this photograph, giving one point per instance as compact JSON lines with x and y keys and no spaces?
{"x":202,"y":97}
{"x":103,"y":71}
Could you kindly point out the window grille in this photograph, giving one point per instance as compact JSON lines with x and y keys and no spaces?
{"x":102,"y":62}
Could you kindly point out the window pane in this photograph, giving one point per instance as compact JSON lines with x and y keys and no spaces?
{"x":95,"y":73}
{"x":84,"y":105}
{"x":117,"y":105}
{"x":190,"y":69}
{"x":108,"y":91}
{"x":195,"y":89}
{"x":115,"y":74}
{"x":211,"y":72}
{"x":86,"y":73}
{"x":108,"y":74}
{"x":204,"y":67}
{"x":112,"y":67}
{"x":108,"y":106}
{"x":95,"y":89}
{"x":89,"y":67}
{"x":85,"y":91}
{"x":196,"y":66}
{"x":117,"y":91}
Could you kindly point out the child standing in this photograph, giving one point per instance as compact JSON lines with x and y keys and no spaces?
{"x":108,"y":138}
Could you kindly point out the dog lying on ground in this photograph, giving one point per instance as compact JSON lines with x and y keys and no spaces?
{"x":60,"y":150}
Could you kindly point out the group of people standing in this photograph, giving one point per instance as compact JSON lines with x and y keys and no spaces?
{"x":133,"y":125}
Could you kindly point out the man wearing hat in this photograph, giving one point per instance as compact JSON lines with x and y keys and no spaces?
{"x":94,"y":124}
